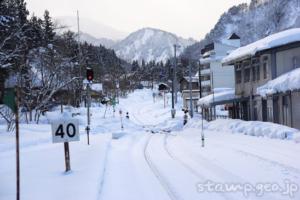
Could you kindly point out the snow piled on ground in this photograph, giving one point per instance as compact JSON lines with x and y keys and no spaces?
{"x":254,"y":128}
{"x":274,"y":40}
{"x":287,"y":82}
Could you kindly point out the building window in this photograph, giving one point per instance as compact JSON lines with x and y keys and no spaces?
{"x":253,"y":74}
{"x":295,"y":62}
{"x":257,"y":73}
{"x":247,"y":75}
{"x":255,"y":69}
{"x":265,"y":69}
{"x":238,"y":76}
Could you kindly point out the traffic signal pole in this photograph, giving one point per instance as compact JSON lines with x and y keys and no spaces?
{"x":88,"y":113}
{"x":89,"y":77}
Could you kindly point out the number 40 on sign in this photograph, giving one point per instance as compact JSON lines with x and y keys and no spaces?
{"x":65,"y":131}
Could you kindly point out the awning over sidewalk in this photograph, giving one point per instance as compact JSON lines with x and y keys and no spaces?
{"x":220,"y":95}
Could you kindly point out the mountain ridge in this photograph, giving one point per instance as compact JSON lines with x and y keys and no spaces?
{"x":150,"y":44}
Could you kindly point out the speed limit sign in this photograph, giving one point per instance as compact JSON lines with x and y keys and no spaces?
{"x":65,"y":131}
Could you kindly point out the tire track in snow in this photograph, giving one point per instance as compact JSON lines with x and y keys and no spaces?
{"x":101,"y":184}
{"x":214,"y":168}
{"x":189,"y":168}
{"x":261,"y":158}
{"x":157,"y":173}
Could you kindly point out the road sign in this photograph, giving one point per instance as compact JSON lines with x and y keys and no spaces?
{"x":65,"y":131}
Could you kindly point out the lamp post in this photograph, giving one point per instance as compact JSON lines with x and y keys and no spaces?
{"x":174,"y":83}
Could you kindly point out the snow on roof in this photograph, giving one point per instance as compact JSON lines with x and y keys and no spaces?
{"x":195,"y":79}
{"x":211,"y":59}
{"x":287,"y":82}
{"x":274,"y":40}
{"x":97,"y":87}
{"x":221,"y":94}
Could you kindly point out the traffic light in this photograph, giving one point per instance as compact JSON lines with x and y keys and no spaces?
{"x":89,"y":74}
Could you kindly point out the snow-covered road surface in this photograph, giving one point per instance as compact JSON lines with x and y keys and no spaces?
{"x":156,"y":159}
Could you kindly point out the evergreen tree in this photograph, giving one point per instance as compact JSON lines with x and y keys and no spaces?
{"x":48,"y":28}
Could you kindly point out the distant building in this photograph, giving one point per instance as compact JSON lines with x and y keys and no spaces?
{"x":185,"y":91}
{"x":264,"y":87}
{"x":213,"y":74}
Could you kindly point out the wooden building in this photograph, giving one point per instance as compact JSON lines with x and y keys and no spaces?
{"x":255,"y":65}
{"x":185,"y":91}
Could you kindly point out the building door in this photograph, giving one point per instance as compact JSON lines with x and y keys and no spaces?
{"x":285,"y":111}
{"x":264,"y":110}
{"x":276,"y":110}
{"x":255,"y":111}
{"x":245,"y":109}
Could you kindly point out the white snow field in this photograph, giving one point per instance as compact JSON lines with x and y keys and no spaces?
{"x":153,"y":158}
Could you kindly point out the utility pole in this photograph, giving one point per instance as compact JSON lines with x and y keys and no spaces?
{"x":79,"y":58}
{"x":213,"y":93}
{"x":175,"y":70}
{"x":174,"y":85}
{"x":18,"y":181}
{"x":200,"y":82}
{"x":200,"y":96}
{"x":191,"y":94}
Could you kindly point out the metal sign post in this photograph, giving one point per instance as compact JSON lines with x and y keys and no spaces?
{"x":88,"y":113}
{"x":17,"y":144}
{"x":67,"y":156}
{"x":202,"y":129}
{"x":120,"y":112}
{"x":65,"y":132}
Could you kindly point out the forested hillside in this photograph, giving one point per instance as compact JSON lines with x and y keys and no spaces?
{"x":251,"y":22}
{"x":41,"y":62}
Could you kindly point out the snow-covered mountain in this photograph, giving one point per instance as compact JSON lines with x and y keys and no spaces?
{"x":251,"y":22}
{"x":150,"y":44}
{"x":108,"y":43}
{"x":92,"y":31}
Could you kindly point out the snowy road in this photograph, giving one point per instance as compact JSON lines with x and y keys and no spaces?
{"x":157,"y":159}
{"x":174,"y":163}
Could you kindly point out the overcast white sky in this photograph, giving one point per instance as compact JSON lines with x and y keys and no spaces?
{"x":186,"y":18}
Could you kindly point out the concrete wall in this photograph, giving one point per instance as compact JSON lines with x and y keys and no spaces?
{"x":286,"y":60}
{"x":223,"y":76}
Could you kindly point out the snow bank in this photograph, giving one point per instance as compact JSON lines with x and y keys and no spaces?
{"x":118,"y":135}
{"x":287,"y":82}
{"x":275,"y":40}
{"x":254,"y":128}
{"x":221,"y":94}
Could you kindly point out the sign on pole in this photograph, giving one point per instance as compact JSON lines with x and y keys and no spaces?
{"x":65,"y":131}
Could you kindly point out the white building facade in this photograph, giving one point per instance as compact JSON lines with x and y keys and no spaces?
{"x":213,"y":74}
